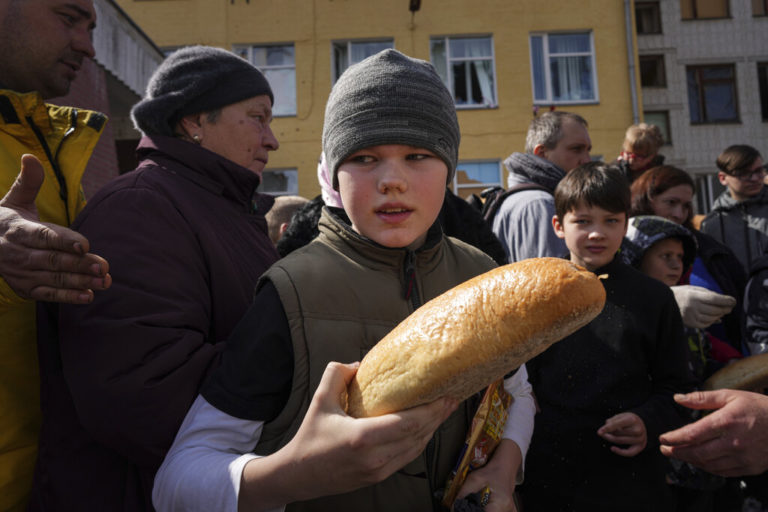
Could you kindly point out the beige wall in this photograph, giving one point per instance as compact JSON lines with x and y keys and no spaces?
{"x":312,"y":25}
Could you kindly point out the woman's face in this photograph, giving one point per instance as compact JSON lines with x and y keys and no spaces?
{"x":674,"y":203}
{"x":241,"y":133}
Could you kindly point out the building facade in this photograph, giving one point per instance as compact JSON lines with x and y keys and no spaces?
{"x":704,"y":71}
{"x":111,"y":83}
{"x":503,"y":61}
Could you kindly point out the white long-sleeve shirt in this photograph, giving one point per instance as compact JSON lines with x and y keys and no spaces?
{"x":204,"y":467}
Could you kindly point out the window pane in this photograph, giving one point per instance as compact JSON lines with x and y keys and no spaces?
{"x":694,"y":102}
{"x":686,"y":9}
{"x":279,"y":182}
{"x":569,"y":43}
{"x":762,"y":80}
{"x":652,"y":71}
{"x":280,"y":56}
{"x":470,"y":47}
{"x":711,"y":8}
{"x":571,"y":78}
{"x":485,"y":173}
{"x":283,"y":83}
{"x":360,"y":51}
{"x":660,"y":119}
{"x":347,"y":53}
{"x":720,"y":101}
{"x":647,"y":18}
{"x":240,"y":51}
{"x":716,"y":73}
{"x":461,"y":86}
{"x":483,"y":71}
{"x":340,"y":59}
{"x":438,"y":57}
{"x":759,"y":7}
{"x":537,"y":61}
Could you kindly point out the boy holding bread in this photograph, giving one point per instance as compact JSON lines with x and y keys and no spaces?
{"x":269,"y":429}
{"x":605,"y":392}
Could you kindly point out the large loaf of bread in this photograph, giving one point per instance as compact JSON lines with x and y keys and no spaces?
{"x":750,"y":374}
{"x":475,"y":333}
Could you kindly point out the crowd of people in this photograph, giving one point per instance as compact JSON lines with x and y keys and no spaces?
{"x":197,"y":359}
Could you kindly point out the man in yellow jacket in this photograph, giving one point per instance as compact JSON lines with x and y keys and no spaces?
{"x":43,"y":46}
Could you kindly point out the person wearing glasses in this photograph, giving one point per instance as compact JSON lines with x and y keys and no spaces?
{"x":739,"y":216}
{"x":640,"y":150}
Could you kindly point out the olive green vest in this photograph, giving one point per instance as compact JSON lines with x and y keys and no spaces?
{"x":342,"y":294}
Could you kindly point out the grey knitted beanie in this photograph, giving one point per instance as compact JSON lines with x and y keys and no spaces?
{"x":192,"y":80}
{"x":390,"y":98}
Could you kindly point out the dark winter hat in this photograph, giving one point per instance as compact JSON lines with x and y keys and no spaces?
{"x":645,"y":230}
{"x":192,"y":80}
{"x":390,"y":98}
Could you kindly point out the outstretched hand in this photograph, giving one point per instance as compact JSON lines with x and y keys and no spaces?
{"x":730,"y":441}
{"x":44,"y":261}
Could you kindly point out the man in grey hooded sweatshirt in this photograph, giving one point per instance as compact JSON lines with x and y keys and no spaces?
{"x":557,"y":142}
{"x":739,"y":217}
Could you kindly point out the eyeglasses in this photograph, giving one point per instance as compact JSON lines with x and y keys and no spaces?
{"x":748,"y":174}
{"x":636,"y":156}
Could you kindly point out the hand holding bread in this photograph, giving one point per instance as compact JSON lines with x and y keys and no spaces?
{"x":474,"y":334}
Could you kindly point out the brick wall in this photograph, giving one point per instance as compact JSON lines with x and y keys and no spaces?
{"x":89,"y":91}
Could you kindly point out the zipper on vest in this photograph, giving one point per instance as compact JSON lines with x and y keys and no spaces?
{"x":410,"y":290}
{"x":53,"y":159}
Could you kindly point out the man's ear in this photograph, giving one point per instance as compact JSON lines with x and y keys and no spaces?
{"x":540,"y":150}
{"x":558,"y":227}
{"x":721,"y":178}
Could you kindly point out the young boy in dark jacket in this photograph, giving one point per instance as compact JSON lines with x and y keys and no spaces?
{"x":391,"y":141}
{"x":605,"y":392}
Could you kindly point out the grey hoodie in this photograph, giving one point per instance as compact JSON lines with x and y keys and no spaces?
{"x":741,"y":225}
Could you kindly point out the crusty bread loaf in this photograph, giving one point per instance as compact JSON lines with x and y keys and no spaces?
{"x":475,"y":333}
{"x":750,"y":373}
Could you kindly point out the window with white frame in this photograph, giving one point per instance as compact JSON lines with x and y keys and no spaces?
{"x":346,"y":53}
{"x":279,"y":182}
{"x":278,"y":63}
{"x":563,"y":68}
{"x":472,"y":177}
{"x":466,"y":65}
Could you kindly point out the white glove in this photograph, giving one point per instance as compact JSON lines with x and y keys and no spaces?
{"x":700,"y":307}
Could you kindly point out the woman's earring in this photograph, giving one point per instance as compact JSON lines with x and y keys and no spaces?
{"x":196,"y":138}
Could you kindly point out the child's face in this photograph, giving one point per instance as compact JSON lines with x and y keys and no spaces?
{"x":664,"y":261}
{"x":393,"y":193}
{"x":592,"y":234}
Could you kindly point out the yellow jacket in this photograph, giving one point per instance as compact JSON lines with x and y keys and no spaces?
{"x":63,"y":139}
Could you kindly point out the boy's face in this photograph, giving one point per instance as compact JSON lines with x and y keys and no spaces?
{"x":664,"y":261}
{"x":748,"y":184}
{"x":592,"y":234}
{"x":393,"y":193}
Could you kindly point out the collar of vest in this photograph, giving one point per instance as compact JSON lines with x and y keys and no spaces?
{"x":336,"y":229}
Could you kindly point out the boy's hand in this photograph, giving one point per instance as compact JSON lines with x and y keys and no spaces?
{"x":626,"y":429}
{"x":500,"y":474}
{"x":344,"y":453}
